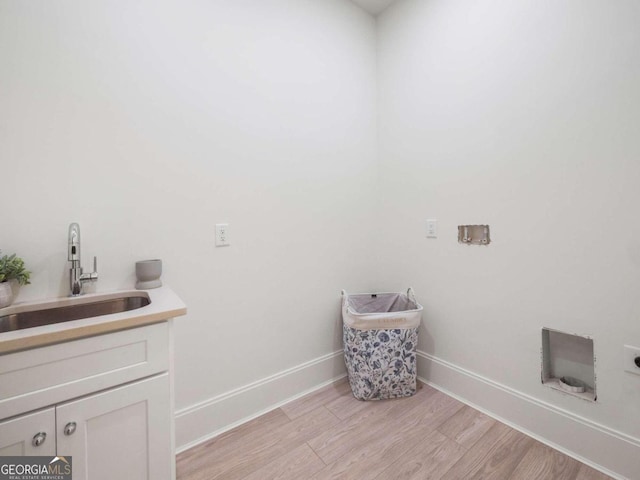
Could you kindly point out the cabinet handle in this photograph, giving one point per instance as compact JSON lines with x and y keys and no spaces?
{"x":70,"y":428}
{"x":38,"y":439}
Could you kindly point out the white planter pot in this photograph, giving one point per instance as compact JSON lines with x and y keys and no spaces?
{"x":6,"y":294}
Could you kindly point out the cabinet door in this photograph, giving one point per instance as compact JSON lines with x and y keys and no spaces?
{"x":31,"y":434}
{"x":120,"y":433}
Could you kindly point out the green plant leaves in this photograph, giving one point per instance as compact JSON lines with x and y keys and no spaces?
{"x":12,"y":268}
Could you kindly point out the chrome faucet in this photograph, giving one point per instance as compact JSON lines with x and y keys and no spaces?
{"x":77,"y":278}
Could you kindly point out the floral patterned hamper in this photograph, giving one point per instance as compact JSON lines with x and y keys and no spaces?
{"x":380,"y":333}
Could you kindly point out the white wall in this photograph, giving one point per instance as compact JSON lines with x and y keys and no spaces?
{"x":149,"y":122}
{"x":523,"y":115}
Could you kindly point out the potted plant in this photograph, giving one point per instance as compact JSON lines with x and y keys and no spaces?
{"x":11,"y":271}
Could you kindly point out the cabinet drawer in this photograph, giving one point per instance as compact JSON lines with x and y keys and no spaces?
{"x":35,"y":378}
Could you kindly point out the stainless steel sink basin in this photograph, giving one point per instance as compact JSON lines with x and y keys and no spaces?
{"x":59,"y":314}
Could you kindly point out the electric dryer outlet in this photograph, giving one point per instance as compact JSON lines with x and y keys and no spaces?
{"x":632,"y":359}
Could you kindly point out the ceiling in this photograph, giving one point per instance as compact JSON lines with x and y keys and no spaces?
{"x":374,"y":6}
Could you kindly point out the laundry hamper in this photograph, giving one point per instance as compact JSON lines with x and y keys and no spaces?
{"x":380,"y":333}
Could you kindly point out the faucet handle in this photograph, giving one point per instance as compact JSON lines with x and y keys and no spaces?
{"x":93,"y":276}
{"x":88,"y":277}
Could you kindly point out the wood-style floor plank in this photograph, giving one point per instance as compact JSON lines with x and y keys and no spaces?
{"x":367,"y":459}
{"x":496,"y":457}
{"x":345,"y":407}
{"x":588,"y":473}
{"x":348,"y":408}
{"x":319,"y":398}
{"x":255,"y":453}
{"x":191,"y":464}
{"x":364,"y":426}
{"x":331,"y":435}
{"x":467,"y":426}
{"x":545,"y":463}
{"x":299,"y":463}
{"x":430,"y":458}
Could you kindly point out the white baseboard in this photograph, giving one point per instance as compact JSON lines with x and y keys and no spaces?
{"x":205,"y":420}
{"x":607,"y":450}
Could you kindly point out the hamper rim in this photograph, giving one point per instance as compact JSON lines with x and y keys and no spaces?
{"x":386,"y":314}
{"x":374,"y":293}
{"x":351,"y":311}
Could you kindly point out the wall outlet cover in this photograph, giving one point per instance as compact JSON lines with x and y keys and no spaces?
{"x":222,"y":234}
{"x":432,"y":228}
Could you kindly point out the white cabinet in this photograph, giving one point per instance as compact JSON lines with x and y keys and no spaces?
{"x":120,"y":433}
{"x":39,"y":377}
{"x":106,"y":401}
{"x":32,"y":434}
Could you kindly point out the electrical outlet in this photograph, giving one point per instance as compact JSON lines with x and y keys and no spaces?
{"x":632,"y":359}
{"x":222,"y":234}
{"x":432,"y":228}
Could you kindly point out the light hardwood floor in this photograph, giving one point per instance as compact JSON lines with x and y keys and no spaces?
{"x":330,"y":434}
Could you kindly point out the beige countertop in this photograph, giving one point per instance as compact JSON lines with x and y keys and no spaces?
{"x":165,"y":304}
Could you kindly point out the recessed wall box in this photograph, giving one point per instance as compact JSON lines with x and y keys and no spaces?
{"x":474,"y":234}
{"x":568,"y":364}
